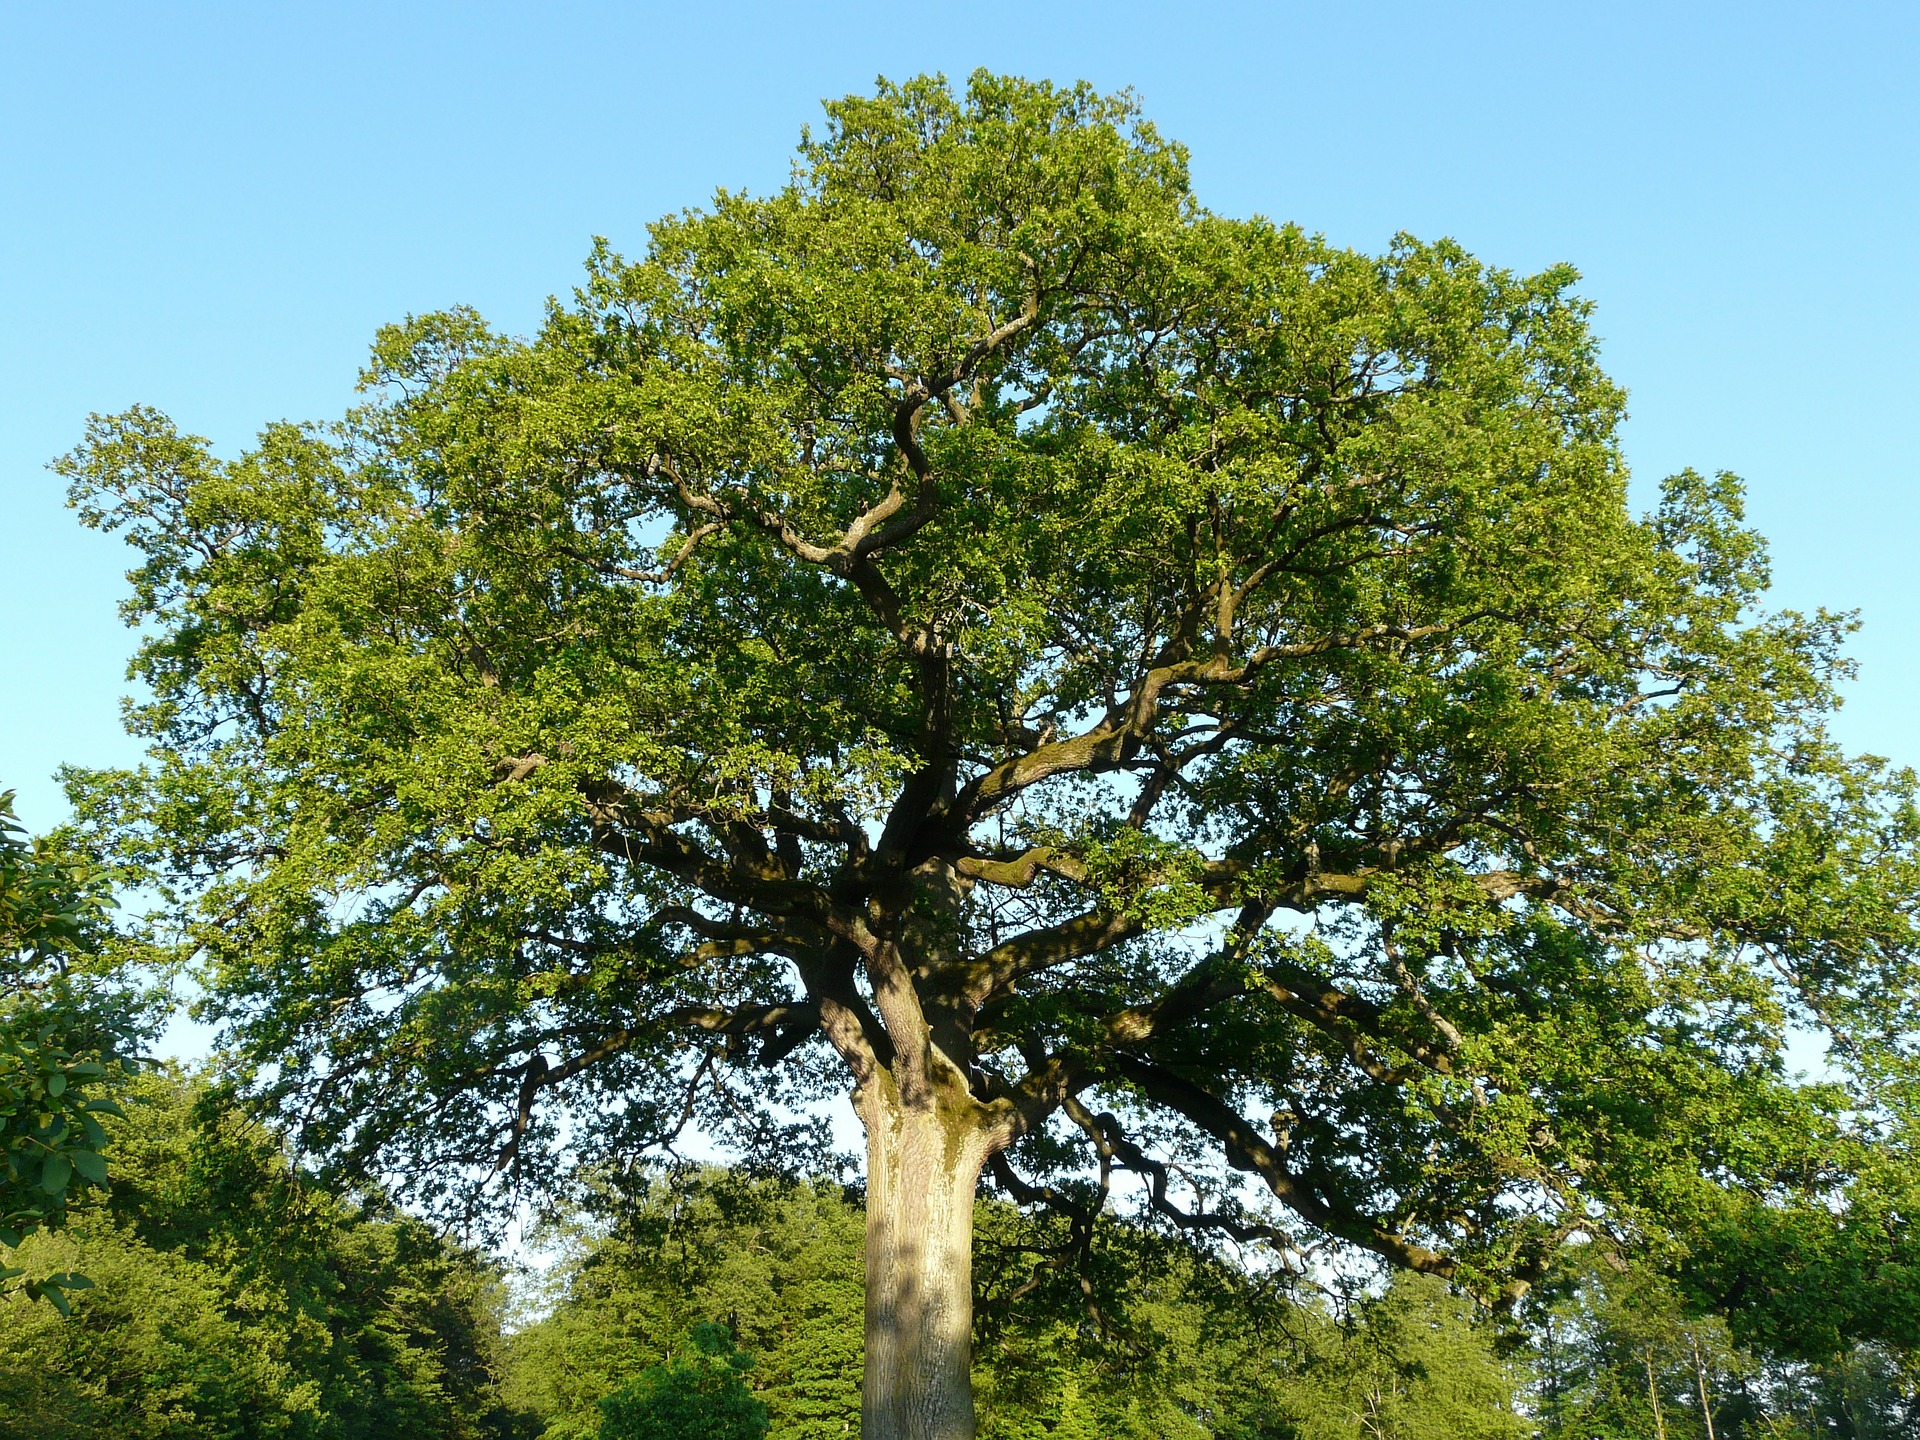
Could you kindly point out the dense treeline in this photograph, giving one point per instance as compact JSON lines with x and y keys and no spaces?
{"x":1174,"y":1346}
{"x":1166,"y":1343}
{"x":233,"y":1299}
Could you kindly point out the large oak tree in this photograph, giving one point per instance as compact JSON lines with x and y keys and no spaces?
{"x":1121,"y":685}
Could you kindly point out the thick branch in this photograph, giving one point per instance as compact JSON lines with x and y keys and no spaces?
{"x":1247,"y":1150}
{"x":1110,"y":743}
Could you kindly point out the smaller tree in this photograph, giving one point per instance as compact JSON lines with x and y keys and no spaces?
{"x":58,"y":1039}
{"x":702,"y":1396}
{"x":1410,"y":1363}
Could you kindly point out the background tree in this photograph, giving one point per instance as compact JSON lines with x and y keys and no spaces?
{"x":234,"y":1300}
{"x":701,"y":1396}
{"x":1125,"y":687}
{"x":1618,"y":1351}
{"x":63,"y":1029}
{"x":778,"y":1263}
{"x":1409,"y":1364}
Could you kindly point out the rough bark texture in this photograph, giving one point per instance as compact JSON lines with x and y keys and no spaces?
{"x":923,"y":1164}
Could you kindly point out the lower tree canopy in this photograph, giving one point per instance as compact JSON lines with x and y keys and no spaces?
{"x":1130,"y":690}
{"x":235,"y":1300}
{"x":1180,"y":1345}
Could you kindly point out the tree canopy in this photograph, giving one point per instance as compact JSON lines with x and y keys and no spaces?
{"x":1129,"y":688}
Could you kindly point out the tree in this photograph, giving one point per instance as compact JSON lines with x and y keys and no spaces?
{"x":1407,"y":1364}
{"x":697,"y":1397}
{"x":1119,"y":684}
{"x":1632,"y":1361}
{"x":1619,"y":1352}
{"x":645,"y":1263}
{"x":234,"y":1300}
{"x":62,"y":1030}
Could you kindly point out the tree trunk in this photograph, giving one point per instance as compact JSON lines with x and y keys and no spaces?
{"x":923,"y":1164}
{"x":1700,"y":1378}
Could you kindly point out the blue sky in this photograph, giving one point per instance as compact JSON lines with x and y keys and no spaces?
{"x":210,"y":207}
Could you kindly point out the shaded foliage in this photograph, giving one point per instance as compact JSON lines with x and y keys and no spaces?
{"x":233,"y":1300}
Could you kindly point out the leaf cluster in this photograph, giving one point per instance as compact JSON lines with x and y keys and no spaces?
{"x":65,"y":1030}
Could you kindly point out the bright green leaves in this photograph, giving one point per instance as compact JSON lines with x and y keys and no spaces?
{"x":699,"y":1396}
{"x":60,"y":1029}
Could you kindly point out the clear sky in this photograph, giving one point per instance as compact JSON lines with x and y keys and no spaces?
{"x":210,"y":207}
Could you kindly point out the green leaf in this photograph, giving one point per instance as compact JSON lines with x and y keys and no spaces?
{"x":55,"y":1174}
{"x":90,"y":1165}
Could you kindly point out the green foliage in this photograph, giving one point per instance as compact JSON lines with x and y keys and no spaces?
{"x":780,"y":1265}
{"x":1188,"y":1347}
{"x":699,"y":1396}
{"x":1174,"y":1344}
{"x":1619,"y":1351}
{"x":63,"y":1030}
{"x":232,"y":1300}
{"x":1178,"y":1346}
{"x":1852,"y":1265}
{"x":1190,"y":697}
{"x":1411,"y":1364}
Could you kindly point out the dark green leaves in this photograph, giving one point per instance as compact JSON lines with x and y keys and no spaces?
{"x":231,"y":1297}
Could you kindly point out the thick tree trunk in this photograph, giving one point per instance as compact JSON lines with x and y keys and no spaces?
{"x":923,"y":1164}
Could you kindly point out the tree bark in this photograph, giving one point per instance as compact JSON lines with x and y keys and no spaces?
{"x":923,"y":1166}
